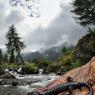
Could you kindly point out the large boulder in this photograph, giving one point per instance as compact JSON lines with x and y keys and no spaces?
{"x":85,"y":73}
{"x":2,"y":71}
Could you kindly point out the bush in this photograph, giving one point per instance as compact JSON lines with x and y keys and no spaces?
{"x":52,"y":68}
{"x":69,"y":61}
{"x":30,"y":69}
{"x":45,"y":63}
{"x":66,"y":59}
{"x":76,"y":64}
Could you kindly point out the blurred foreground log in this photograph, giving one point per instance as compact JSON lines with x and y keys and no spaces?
{"x":85,"y":73}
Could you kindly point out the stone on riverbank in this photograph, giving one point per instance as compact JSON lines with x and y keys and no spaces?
{"x":7,"y":76}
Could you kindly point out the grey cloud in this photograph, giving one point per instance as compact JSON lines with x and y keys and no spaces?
{"x":7,"y":20}
{"x":1,"y":7}
{"x":14,"y":17}
{"x":63,"y":29}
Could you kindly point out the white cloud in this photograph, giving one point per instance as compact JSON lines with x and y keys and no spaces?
{"x":55,"y":26}
{"x":50,"y":9}
{"x":66,"y":2}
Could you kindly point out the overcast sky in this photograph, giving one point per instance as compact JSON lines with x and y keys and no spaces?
{"x":54,"y":27}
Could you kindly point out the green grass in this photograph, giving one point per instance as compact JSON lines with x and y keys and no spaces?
{"x":9,"y":65}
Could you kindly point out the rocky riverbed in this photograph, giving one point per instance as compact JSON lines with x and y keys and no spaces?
{"x":23,"y":84}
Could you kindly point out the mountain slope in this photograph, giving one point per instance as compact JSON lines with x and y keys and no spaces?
{"x":85,"y":49}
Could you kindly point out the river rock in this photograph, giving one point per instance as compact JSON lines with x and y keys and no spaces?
{"x":2,"y":71}
{"x":7,"y":76}
{"x":14,"y":83}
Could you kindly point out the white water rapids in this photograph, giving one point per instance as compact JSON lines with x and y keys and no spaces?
{"x":39,"y":81}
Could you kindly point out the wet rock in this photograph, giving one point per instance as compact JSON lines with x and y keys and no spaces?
{"x":10,"y":69}
{"x":14,"y":83}
{"x":0,"y":81}
{"x":7,"y":76}
{"x":33,"y":93}
{"x":2,"y":71}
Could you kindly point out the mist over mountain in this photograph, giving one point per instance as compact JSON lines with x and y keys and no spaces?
{"x":50,"y":54}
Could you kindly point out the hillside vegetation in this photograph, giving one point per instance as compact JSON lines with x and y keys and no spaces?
{"x":81,"y":54}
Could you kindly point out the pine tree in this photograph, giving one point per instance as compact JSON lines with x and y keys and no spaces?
{"x":14,"y":45}
{"x":5,"y":58}
{"x":0,"y":57}
{"x":64,"y":50}
{"x":85,"y":11}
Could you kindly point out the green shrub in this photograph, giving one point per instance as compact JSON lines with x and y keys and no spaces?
{"x":45,"y":63}
{"x":76,"y":64}
{"x":53,"y":68}
{"x":66,"y":59}
{"x":29,"y":68}
{"x":69,"y":61}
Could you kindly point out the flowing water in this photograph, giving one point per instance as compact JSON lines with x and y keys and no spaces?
{"x":37,"y":81}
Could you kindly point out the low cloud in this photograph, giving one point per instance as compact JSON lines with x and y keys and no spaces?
{"x":62,"y":30}
{"x":14,"y":17}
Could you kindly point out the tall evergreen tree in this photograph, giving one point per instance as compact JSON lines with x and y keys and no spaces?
{"x":5,"y":58}
{"x":0,"y":57}
{"x":14,"y":45}
{"x":85,"y":11}
{"x":64,"y":50}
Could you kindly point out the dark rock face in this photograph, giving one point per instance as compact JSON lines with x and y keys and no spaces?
{"x":85,"y":48}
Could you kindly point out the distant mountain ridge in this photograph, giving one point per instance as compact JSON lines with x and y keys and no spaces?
{"x":49,"y":54}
